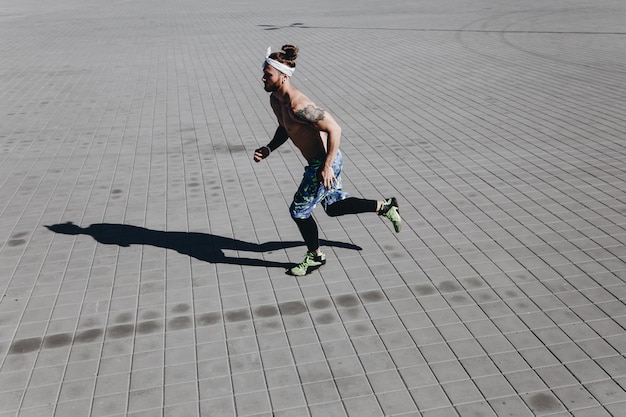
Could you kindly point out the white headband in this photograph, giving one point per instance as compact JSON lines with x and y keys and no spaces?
{"x":285,"y":69}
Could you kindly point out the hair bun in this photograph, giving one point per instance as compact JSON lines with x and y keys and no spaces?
{"x":290,"y":52}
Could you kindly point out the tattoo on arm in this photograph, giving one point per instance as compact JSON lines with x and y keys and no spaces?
{"x":310,"y":114}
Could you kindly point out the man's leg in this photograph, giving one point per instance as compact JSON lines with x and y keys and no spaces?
{"x":308,"y":230}
{"x":386,"y":208}
{"x":352,"y":205}
{"x":309,"y":194}
{"x":314,"y":257}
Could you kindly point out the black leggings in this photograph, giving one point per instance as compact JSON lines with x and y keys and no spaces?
{"x":351,"y":205}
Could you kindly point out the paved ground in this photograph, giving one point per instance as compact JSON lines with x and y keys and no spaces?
{"x":142,"y":251}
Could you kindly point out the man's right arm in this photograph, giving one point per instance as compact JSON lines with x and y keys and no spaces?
{"x":280,"y":137}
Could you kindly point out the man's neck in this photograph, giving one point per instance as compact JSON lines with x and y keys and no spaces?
{"x":284,"y":91}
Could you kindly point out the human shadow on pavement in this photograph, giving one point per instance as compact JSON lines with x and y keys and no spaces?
{"x":202,"y":246}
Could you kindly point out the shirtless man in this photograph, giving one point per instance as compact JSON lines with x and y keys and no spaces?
{"x":317,"y":135}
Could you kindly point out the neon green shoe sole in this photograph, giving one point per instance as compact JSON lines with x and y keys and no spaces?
{"x":311,"y":263}
{"x":391,"y":211}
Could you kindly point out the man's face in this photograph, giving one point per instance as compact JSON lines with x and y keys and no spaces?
{"x":272,"y":78}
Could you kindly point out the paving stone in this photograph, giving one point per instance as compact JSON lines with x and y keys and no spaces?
{"x":142,"y":251}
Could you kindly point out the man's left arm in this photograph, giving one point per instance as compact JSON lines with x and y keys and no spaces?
{"x":324,"y":122}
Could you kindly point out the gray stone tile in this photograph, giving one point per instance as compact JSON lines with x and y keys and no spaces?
{"x":285,"y":398}
{"x":145,"y":400}
{"x":607,"y":391}
{"x":77,"y":407}
{"x":180,"y":393}
{"x":542,"y":403}
{"x":109,"y":405}
{"x":40,"y":396}
{"x":429,"y":397}
{"x":576,"y":397}
{"x":320,"y":392}
{"x":478,"y":408}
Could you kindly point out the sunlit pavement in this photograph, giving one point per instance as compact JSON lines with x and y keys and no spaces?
{"x":143,"y":252}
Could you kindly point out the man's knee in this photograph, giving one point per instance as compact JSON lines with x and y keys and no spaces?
{"x":333,"y":210}
{"x":298,"y":219}
{"x":307,"y":226}
{"x":299,"y":211}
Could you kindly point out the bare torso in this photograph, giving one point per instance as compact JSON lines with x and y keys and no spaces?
{"x":307,"y":138}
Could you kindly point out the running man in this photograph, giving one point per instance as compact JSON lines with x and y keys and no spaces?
{"x":317,"y":135}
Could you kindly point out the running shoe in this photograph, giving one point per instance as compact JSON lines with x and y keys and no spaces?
{"x":391,"y":211}
{"x":311,"y":263}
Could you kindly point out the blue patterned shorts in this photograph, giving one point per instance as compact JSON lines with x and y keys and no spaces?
{"x":312,"y":192}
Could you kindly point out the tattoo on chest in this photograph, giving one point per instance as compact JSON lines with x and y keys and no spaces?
{"x":310,"y":114}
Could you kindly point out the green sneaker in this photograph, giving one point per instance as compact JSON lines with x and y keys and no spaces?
{"x":311,"y":263}
{"x":391,"y":211}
